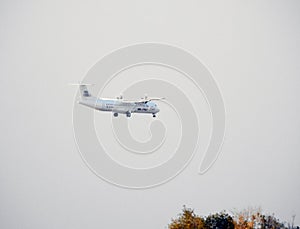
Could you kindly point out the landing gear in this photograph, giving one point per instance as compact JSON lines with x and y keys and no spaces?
{"x":128,"y":114}
{"x":116,"y":114}
{"x":153,"y":115}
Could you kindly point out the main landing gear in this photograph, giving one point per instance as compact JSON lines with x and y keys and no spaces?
{"x":128,"y":114}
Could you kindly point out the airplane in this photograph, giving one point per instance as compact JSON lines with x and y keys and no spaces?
{"x":118,"y":105}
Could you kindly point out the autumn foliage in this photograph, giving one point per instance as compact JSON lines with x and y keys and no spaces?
{"x":187,"y":220}
{"x":246,"y":219}
{"x":253,"y":218}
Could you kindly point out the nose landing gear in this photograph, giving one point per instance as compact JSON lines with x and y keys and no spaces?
{"x":153,"y":115}
{"x":116,"y":114}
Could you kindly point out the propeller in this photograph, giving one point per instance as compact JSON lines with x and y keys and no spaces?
{"x":146,"y":99}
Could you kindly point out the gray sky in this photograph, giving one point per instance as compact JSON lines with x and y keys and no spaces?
{"x":252,"y":49}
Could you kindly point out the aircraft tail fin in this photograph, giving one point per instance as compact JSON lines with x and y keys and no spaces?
{"x":84,"y":93}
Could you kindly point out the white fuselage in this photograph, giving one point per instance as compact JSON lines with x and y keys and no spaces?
{"x":119,"y":105}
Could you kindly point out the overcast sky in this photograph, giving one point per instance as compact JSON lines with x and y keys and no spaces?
{"x":252,"y":49}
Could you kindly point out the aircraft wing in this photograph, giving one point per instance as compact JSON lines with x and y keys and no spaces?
{"x":148,"y":100}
